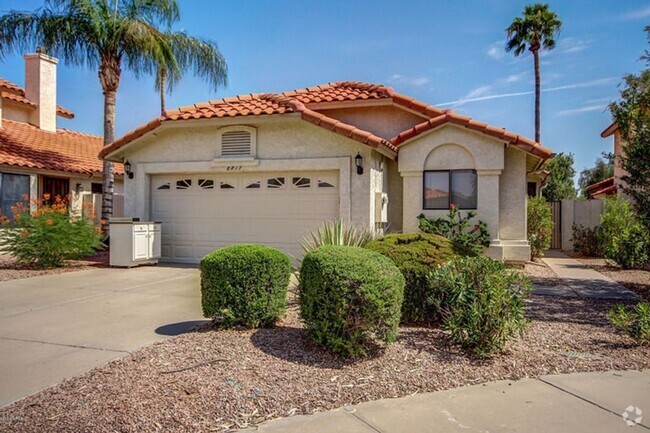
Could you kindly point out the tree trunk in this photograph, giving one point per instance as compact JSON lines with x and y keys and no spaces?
{"x":537,"y":94}
{"x":109,"y":78}
{"x":163,"y":82}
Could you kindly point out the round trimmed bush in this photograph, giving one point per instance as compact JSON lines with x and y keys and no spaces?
{"x":350,"y":298}
{"x":416,"y":254}
{"x":245,"y":284}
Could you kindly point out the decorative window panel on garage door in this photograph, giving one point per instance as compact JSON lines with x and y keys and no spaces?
{"x":201,"y":213}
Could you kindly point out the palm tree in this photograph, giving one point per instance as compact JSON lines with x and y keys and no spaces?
{"x":537,"y":29}
{"x":201,"y":56}
{"x":108,"y":35}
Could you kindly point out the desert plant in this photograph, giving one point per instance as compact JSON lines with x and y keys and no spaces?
{"x":481,"y":302}
{"x":245,"y":284}
{"x":468,"y":238}
{"x":49,"y":235}
{"x":415,"y":255}
{"x":587,"y":241}
{"x":540,"y":226}
{"x":350,"y":298}
{"x":624,"y":238}
{"x":634,"y":321}
{"x":339,"y":233}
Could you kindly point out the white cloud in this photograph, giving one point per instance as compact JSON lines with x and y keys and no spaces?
{"x":514,"y":78}
{"x":485,"y":96}
{"x":573,"y":45}
{"x":585,"y":109}
{"x":411,"y":81}
{"x":496,"y":50}
{"x":636,"y":14}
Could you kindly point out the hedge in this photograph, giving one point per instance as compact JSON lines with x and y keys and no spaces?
{"x":245,"y":284}
{"x":416,"y":255}
{"x":350,"y":298}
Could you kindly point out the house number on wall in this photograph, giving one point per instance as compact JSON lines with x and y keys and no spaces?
{"x":234,"y":168}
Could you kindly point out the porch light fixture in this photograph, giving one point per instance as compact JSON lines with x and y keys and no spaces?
{"x":127,"y":169}
{"x":79,"y":187}
{"x":358,"y":161}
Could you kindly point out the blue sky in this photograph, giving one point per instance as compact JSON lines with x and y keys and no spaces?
{"x":442,"y":52}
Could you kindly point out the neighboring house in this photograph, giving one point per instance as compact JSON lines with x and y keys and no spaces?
{"x":269,"y":168}
{"x":612,"y":185}
{"x":38,"y":159}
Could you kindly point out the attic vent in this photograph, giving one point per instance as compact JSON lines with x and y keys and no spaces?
{"x":236,"y":143}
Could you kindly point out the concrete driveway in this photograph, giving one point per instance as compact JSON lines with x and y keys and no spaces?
{"x":58,"y":326}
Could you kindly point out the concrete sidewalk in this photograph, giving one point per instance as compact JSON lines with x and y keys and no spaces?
{"x":577,"y":403}
{"x":582,"y":281}
{"x":58,"y":326}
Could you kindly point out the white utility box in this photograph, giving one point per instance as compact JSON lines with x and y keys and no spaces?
{"x":133,"y":242}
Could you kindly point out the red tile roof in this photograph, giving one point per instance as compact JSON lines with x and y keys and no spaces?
{"x":15,"y":93}
{"x":25,"y":145}
{"x":304,"y":102}
{"x":604,"y":187}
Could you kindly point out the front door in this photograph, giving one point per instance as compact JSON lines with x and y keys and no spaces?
{"x":55,"y":187}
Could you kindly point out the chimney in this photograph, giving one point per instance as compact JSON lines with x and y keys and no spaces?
{"x":40,"y":88}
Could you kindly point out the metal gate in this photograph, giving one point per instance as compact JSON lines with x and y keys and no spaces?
{"x":556,"y":217}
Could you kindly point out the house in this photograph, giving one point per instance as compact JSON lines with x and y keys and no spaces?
{"x":268,"y":168}
{"x":611,"y":185}
{"x":38,"y":159}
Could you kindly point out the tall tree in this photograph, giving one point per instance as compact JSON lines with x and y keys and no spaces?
{"x":200,"y":56}
{"x":559,"y":185}
{"x":632,"y":114}
{"x":107,"y":35}
{"x":537,"y":29}
{"x":603,"y":168}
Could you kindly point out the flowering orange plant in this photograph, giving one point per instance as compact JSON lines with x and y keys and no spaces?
{"x":44,"y":234}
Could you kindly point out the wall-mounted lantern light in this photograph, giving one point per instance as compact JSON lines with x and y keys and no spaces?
{"x":127,"y":169}
{"x":358,"y":161}
{"x":78,"y":187}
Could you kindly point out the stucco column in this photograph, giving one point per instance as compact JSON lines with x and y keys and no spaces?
{"x":488,"y":200}
{"x":412,"y":203}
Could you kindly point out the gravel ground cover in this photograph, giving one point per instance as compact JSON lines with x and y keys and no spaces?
{"x":637,"y":280}
{"x":10,"y":270}
{"x":221,"y":380}
{"x":540,"y":274}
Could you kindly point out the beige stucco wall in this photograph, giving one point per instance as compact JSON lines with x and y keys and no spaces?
{"x":384,"y":121}
{"x":395,"y":196}
{"x":286,"y":144}
{"x":501,"y":183}
{"x":16,"y":112}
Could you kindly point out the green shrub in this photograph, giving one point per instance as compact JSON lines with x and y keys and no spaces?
{"x":415,"y":255}
{"x":339,"y":233}
{"x":634,"y":321}
{"x":245,"y":285}
{"x":540,"y":226}
{"x":350,"y":297}
{"x":48,"y":236}
{"x":587,"y":241}
{"x":624,"y":238}
{"x":481,"y":302}
{"x":468,"y":239}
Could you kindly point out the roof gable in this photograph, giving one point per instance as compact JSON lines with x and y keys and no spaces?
{"x":305,"y":102}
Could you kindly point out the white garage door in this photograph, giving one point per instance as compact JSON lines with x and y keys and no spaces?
{"x":200,"y":213}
